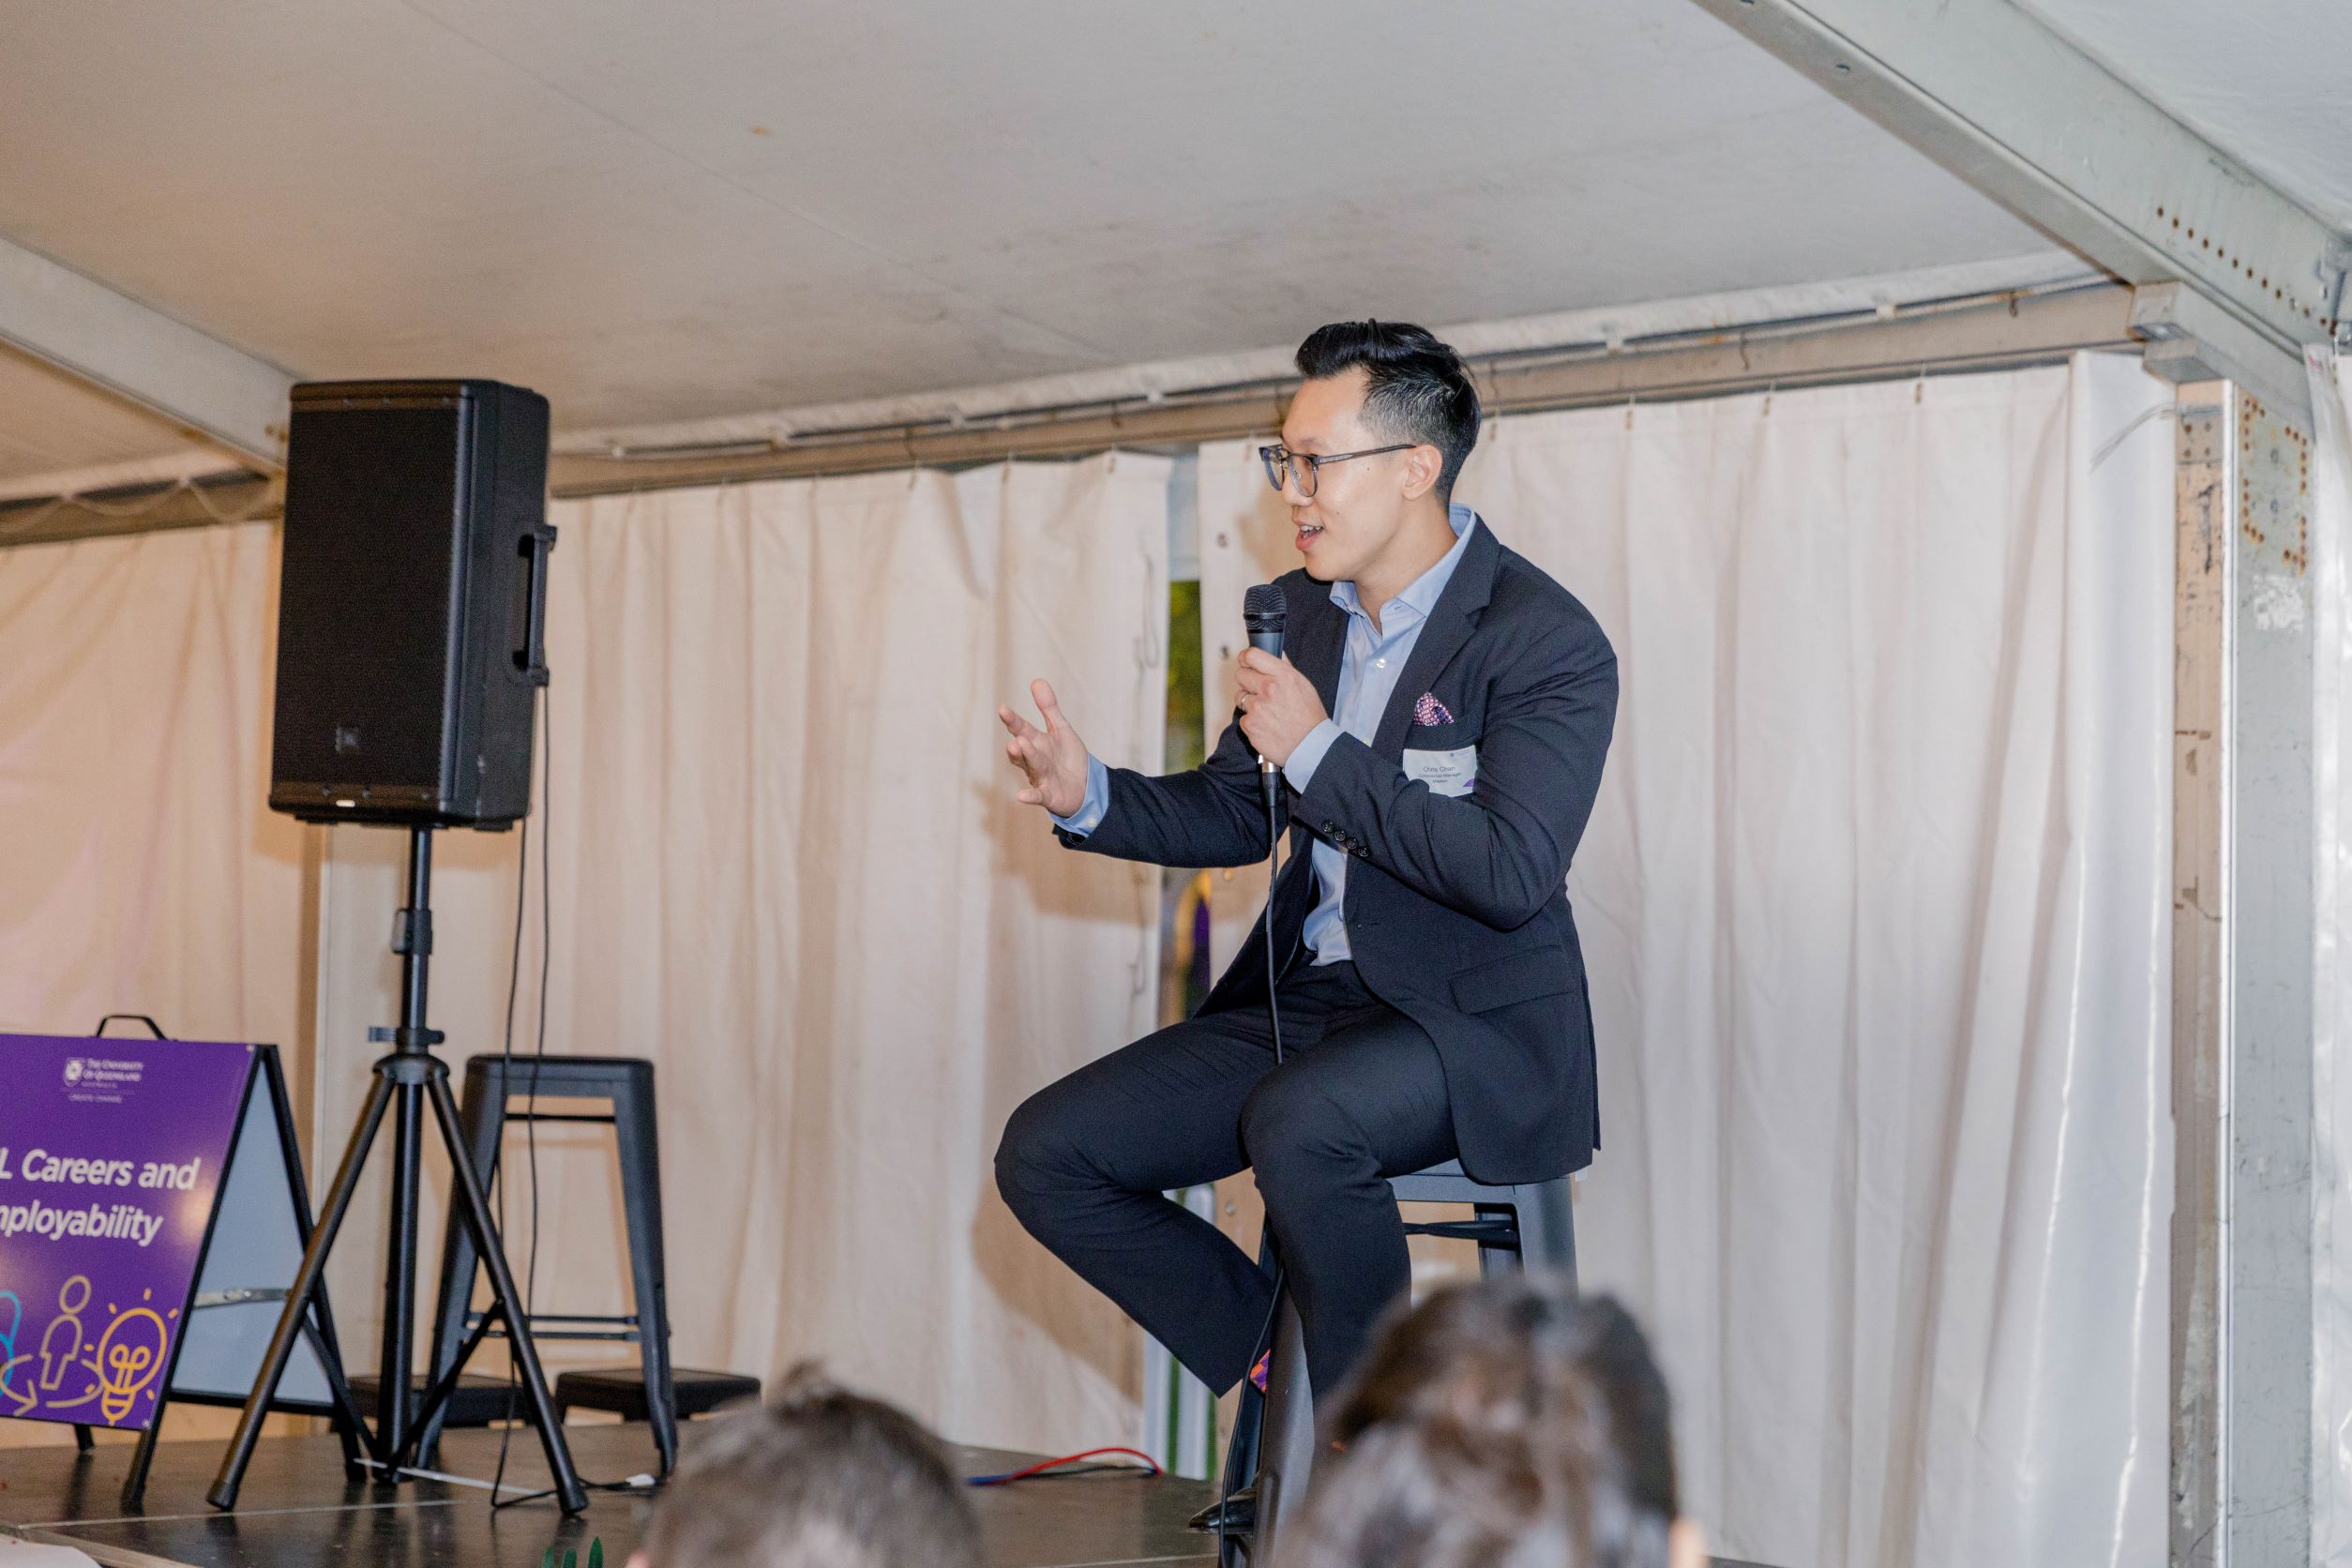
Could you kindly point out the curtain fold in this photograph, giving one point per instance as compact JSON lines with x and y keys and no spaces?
{"x":786,"y":867}
{"x":1874,"y":905}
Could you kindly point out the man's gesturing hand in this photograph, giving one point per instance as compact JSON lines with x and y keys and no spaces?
{"x":1279,"y":706}
{"x":1053,"y":758}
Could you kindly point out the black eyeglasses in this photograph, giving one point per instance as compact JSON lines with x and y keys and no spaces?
{"x":1282,"y":463}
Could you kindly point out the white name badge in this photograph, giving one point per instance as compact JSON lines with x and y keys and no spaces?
{"x":1446,"y":773}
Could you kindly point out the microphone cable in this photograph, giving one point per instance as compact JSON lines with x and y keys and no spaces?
{"x":1263,"y":614}
{"x":1270,"y":780}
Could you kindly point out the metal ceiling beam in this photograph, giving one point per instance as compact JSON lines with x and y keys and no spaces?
{"x":109,"y":339}
{"x":2000,"y":99}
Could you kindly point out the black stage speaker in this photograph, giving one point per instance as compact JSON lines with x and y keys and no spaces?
{"x":412,"y":603}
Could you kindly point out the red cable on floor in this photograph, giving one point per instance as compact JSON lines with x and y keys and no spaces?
{"x":1153,"y":1465}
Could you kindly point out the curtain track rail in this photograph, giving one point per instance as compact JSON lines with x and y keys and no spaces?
{"x":2004,"y":330}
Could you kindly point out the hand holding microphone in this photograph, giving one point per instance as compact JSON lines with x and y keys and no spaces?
{"x":1279,"y":706}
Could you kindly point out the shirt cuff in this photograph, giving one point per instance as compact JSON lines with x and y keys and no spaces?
{"x":1089,"y":816}
{"x":1308,"y":755}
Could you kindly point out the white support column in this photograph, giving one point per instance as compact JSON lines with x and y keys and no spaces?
{"x":2200,"y":982}
{"x":89,"y":331}
{"x":2242,"y":1024}
{"x":1997,"y":98}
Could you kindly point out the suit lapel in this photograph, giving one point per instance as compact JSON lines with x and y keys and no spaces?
{"x":1450,"y":626}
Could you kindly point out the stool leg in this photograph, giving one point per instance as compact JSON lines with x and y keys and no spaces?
{"x":482,"y":1119}
{"x":1241,"y":1458}
{"x":1547,"y":1228}
{"x":1286,"y":1454}
{"x":1499,"y":1257}
{"x":638,"y":1140}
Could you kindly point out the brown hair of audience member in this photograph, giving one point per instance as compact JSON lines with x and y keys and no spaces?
{"x":1505,"y":1422}
{"x":816,"y":1478}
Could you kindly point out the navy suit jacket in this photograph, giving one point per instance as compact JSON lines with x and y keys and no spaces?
{"x":1456,"y":907}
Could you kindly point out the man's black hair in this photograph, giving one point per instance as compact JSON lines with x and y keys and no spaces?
{"x":1419,"y":389}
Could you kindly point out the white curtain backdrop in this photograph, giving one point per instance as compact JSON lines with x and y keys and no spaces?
{"x":786,"y":867}
{"x":140,"y":867}
{"x":2331,"y":999}
{"x":1875,"y":904}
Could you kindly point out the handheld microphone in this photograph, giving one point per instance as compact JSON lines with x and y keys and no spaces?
{"x":1263,"y":615}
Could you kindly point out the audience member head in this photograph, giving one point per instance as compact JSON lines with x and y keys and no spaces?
{"x":816,"y":1478}
{"x":1500,"y":1424}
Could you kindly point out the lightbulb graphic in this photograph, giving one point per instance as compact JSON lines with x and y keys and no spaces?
{"x":129,"y":1354}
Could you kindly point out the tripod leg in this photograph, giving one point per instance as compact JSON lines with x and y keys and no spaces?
{"x":319,"y":1328}
{"x":305,"y":1282}
{"x":350,"y":1426}
{"x":568,"y":1491}
{"x":484,"y":1112}
{"x":396,"y":1395}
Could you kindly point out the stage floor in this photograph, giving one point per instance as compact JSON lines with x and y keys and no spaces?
{"x":297,"y":1508}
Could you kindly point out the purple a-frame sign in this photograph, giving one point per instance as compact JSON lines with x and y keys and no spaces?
{"x":111,"y":1156}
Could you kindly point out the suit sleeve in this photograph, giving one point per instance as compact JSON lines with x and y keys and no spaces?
{"x":1211,"y":816}
{"x":1500,"y":853}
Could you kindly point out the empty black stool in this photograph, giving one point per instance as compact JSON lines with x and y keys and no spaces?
{"x":622,"y":1391}
{"x":1273,"y":1447}
{"x":625,"y":1083}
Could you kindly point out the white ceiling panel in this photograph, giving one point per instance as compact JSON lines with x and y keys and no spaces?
{"x":668,"y":212}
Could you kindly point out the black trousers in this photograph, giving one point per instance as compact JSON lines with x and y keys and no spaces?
{"x":1360,"y":1097}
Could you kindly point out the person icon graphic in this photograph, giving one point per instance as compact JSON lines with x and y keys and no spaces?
{"x":11,"y":1319}
{"x":61,"y":1342}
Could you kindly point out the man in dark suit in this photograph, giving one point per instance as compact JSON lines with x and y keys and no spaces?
{"x":1439,"y":723}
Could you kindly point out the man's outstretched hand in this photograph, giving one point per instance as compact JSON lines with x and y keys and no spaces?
{"x":1053,"y":758}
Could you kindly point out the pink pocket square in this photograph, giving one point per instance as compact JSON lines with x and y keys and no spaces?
{"x":1428,"y":711}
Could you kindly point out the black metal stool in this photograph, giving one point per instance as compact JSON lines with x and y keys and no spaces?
{"x":627,"y":1083}
{"x":622,"y":1391}
{"x":1273,"y":1447}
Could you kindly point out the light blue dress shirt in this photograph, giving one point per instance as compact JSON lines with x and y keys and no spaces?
{"x":1369,"y":669}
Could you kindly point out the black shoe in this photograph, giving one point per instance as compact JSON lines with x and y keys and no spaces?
{"x":1235,"y":1516}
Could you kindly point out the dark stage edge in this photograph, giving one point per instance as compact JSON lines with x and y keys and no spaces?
{"x":297,"y":1508}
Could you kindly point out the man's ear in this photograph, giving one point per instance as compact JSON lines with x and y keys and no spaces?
{"x":1422,"y":466}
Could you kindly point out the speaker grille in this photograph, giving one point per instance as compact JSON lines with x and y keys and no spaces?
{"x":406,"y":508}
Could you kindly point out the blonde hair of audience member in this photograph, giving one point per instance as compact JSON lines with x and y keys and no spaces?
{"x":816,"y":1478}
{"x":1500,"y":1424}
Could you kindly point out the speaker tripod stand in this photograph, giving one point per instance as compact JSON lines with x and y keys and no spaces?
{"x":407,"y":1080}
